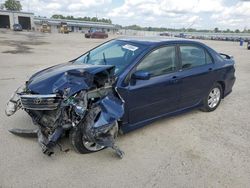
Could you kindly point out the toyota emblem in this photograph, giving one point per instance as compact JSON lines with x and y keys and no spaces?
{"x":37,"y":101}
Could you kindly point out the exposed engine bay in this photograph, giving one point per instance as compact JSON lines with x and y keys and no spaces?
{"x":78,"y":101}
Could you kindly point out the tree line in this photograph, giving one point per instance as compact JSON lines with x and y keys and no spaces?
{"x":164,"y":29}
{"x":91,"y":19}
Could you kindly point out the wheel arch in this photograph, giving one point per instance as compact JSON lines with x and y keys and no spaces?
{"x":222,"y":84}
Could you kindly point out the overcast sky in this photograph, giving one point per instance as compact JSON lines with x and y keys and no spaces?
{"x":201,"y":14}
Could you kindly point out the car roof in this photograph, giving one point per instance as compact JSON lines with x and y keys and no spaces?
{"x":157,"y":40}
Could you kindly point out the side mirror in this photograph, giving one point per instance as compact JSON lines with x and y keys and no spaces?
{"x":141,"y":75}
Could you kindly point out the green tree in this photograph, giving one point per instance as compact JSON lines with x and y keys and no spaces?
{"x":94,"y":19}
{"x":237,"y":31}
{"x":57,"y":16}
{"x":70,"y":18}
{"x":13,"y":5}
{"x":216,"y":30}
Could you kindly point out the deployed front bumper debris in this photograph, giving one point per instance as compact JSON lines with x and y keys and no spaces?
{"x":93,"y":108}
{"x":101,"y":119}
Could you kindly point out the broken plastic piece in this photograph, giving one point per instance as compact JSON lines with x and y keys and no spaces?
{"x":119,"y":152}
{"x":47,"y":144}
{"x":31,"y":133}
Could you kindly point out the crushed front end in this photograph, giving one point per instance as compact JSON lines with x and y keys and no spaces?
{"x":71,"y":99}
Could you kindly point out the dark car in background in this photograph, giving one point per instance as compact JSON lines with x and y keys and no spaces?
{"x":122,"y":85}
{"x":96,"y":34}
{"x":165,"y":34}
{"x":248,"y":45}
{"x":17,"y":27}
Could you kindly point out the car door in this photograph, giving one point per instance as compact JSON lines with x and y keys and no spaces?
{"x":147,"y":99}
{"x":196,"y":74}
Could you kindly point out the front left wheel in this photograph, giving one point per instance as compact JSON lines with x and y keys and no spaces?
{"x":84,"y":146}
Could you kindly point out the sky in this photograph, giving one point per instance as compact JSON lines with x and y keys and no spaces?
{"x":199,"y":14}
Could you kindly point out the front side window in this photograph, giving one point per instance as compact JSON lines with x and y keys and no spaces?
{"x":160,"y":61}
{"x":193,"y":56}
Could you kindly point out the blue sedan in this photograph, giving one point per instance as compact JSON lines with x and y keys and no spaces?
{"x":122,"y":84}
{"x":159,"y":77}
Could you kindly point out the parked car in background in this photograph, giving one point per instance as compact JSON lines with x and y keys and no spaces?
{"x":122,"y":85}
{"x":96,"y":34}
{"x":248,"y":45}
{"x":17,"y":27}
{"x":165,"y":34}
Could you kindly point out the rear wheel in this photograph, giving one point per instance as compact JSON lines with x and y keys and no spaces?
{"x":213,"y":98}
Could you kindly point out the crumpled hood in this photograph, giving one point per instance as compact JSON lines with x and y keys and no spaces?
{"x":68,"y":75}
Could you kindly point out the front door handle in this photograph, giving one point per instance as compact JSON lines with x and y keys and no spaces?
{"x":210,"y":69}
{"x":175,"y":79}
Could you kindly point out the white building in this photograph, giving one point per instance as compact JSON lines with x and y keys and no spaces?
{"x":28,"y":21}
{"x":9,"y":18}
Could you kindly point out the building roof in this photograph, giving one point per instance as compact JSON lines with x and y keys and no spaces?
{"x":39,"y":20}
{"x":20,"y":12}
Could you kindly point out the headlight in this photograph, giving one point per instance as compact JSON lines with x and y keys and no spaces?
{"x":14,"y":103}
{"x":11,"y":108}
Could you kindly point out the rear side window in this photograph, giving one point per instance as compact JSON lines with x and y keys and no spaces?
{"x":194,"y":56}
{"x":160,"y":61}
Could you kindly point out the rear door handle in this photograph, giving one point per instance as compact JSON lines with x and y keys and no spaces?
{"x":210,"y":69}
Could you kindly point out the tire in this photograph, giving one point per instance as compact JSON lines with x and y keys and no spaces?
{"x":81,"y":146}
{"x":213,"y":98}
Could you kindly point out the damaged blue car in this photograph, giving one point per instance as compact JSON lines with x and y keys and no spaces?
{"x":120,"y":86}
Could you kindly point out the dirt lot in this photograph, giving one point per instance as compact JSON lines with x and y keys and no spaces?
{"x":195,"y":149}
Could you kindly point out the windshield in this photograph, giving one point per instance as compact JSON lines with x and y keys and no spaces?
{"x":115,"y":52}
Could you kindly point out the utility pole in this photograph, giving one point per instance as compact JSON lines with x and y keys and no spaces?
{"x":28,"y":5}
{"x":13,"y":15}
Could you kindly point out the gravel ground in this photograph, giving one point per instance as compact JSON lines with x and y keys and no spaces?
{"x":195,"y":149}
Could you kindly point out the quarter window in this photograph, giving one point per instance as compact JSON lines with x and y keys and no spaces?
{"x":160,"y":61}
{"x":208,"y":58}
{"x":193,"y":56}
